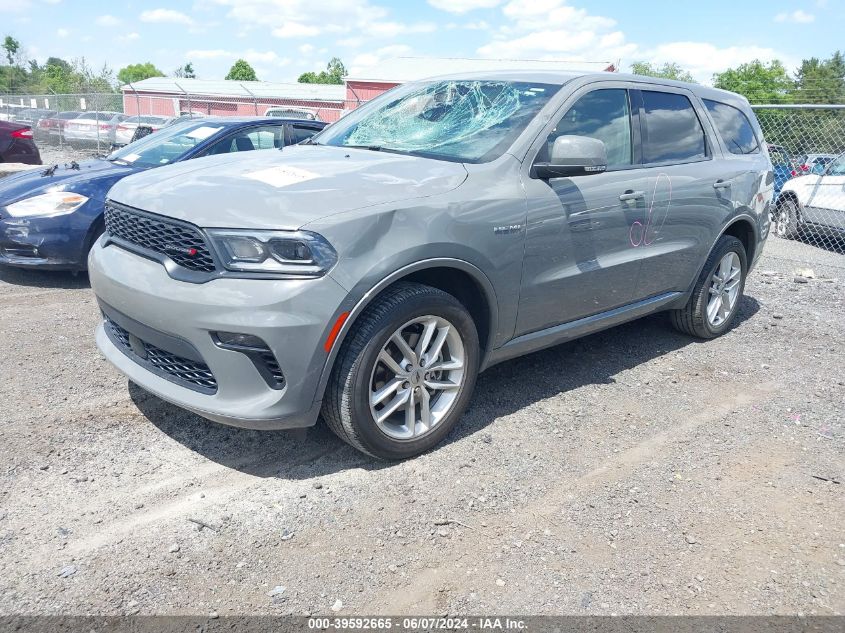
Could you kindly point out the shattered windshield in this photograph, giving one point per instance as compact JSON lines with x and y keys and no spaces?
{"x":466,"y":121}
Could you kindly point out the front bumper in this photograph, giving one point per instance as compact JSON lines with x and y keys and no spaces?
{"x":293,"y":317}
{"x":58,"y":242}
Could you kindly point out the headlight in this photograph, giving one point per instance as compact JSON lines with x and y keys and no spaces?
{"x":47,"y":205}
{"x":281,"y":252}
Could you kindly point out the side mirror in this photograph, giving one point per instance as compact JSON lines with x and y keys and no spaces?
{"x":573,"y":156}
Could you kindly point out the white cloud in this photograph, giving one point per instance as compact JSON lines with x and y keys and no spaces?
{"x":361,"y":63}
{"x":463,"y":6}
{"x":796,"y":17}
{"x":107,"y":20}
{"x":306,"y":49}
{"x":296,"y":29}
{"x":208,"y":54}
{"x":703,"y":59}
{"x":129,"y":37}
{"x":166,"y":16}
{"x":251,"y":55}
{"x":479,"y":25}
{"x":14,"y":6}
{"x":389,"y":30}
{"x":551,"y":29}
{"x":356,"y":19}
{"x":62,"y":32}
{"x":555,"y":30}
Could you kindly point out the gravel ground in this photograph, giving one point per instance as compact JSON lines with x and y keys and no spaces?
{"x":635,"y":471}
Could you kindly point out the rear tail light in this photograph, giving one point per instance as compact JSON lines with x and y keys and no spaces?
{"x":794,"y":173}
{"x":104,"y":126}
{"x":25,"y":133}
{"x":44,"y":123}
{"x":123,"y":128}
{"x":804,"y":168}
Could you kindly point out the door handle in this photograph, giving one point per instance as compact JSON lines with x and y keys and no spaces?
{"x":632,"y":195}
{"x":721,"y":184}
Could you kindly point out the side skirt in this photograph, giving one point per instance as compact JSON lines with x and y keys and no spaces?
{"x":549,"y":337}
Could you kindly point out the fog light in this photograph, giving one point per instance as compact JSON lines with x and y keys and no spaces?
{"x":257,"y":351}
{"x":232,"y":339}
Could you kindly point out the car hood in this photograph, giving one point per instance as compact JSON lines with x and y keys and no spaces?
{"x":285,"y":189}
{"x":93,"y":179}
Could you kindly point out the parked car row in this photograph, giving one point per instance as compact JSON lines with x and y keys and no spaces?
{"x":787,"y":166}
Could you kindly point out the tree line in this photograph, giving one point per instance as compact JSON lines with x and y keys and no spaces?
{"x":59,"y":76}
{"x":817,"y":81}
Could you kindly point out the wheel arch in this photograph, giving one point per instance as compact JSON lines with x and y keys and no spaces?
{"x":743,"y":229}
{"x":789,"y":194}
{"x":461,"y":279}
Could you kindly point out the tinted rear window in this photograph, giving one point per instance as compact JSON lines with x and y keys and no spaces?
{"x":672,"y":131}
{"x":734,"y":128}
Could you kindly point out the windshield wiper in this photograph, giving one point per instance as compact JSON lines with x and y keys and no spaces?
{"x":381,"y":148}
{"x":372,"y":148}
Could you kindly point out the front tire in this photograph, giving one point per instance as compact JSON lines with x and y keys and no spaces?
{"x":717,"y":294}
{"x":787,"y":219}
{"x":405,"y":373}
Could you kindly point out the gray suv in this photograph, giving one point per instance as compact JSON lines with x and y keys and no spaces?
{"x":369,"y":274}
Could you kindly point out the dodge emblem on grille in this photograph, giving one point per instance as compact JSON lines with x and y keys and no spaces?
{"x":175,"y":249}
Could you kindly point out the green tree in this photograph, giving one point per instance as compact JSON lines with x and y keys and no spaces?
{"x":666,"y":71}
{"x":11,"y":46}
{"x":58,"y":76}
{"x":821,"y":81}
{"x":138,"y":72}
{"x":333,"y":74}
{"x":757,"y":82}
{"x":242,"y":71}
{"x":186,"y":71}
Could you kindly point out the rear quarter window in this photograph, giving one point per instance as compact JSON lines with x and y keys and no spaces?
{"x":734,"y":128}
{"x":671,"y":130}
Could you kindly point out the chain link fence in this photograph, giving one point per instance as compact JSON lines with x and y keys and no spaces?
{"x":99,"y":121}
{"x":806,"y":144}
{"x":807,"y":148}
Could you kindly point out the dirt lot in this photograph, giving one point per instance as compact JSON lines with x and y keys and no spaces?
{"x":635,"y":471}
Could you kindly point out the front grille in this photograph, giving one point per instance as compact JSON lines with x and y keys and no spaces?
{"x":182,"y":371}
{"x":180,"y":242}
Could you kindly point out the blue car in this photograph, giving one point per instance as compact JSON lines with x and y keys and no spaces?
{"x":50,"y":218}
{"x":781,"y":165}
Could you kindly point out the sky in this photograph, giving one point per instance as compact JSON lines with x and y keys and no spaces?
{"x":283,"y":38}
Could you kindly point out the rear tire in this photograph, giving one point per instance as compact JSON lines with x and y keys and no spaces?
{"x":405,"y":373}
{"x":716,"y":296}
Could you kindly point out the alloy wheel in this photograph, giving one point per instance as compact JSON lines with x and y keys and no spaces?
{"x":417,"y":377}
{"x":724,"y":289}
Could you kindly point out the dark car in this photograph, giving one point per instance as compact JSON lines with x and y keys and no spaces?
{"x":16,"y":144}
{"x":51,"y":129}
{"x":50,"y":218}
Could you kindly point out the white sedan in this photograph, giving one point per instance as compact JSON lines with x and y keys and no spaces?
{"x":126,"y":129}
{"x":813,"y":202}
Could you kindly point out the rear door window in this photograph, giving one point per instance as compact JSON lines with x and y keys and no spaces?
{"x":671,"y":129}
{"x":247,"y":140}
{"x":734,"y":128}
{"x":301,"y":133}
